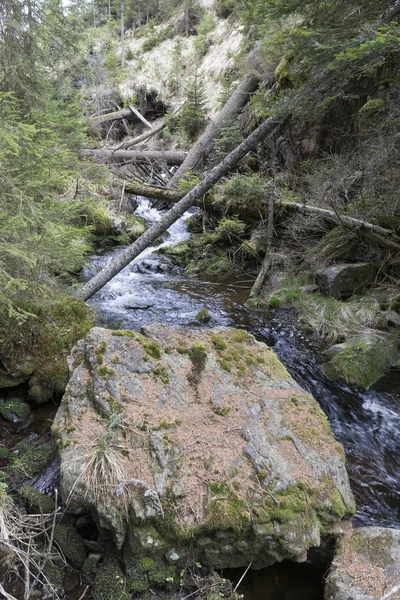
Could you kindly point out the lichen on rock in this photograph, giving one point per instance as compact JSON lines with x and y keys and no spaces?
{"x":198,"y":444}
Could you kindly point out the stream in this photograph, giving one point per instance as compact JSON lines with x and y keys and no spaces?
{"x":367,"y":423}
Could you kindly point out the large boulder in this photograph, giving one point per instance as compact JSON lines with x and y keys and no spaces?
{"x":344,"y":280}
{"x":366,"y":565}
{"x":188,"y":443}
{"x":362,"y":360}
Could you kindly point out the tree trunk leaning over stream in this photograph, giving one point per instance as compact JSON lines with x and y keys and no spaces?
{"x":205,"y":143}
{"x":128,"y":254}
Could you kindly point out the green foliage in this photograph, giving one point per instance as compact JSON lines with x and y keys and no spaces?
{"x":177,"y":67}
{"x":228,"y":139}
{"x":225,"y":8}
{"x":246,"y":188}
{"x":326,"y":51}
{"x":192,"y":115}
{"x":41,"y":243}
{"x":230,"y":229}
{"x":203,"y":38}
{"x":188,"y":182}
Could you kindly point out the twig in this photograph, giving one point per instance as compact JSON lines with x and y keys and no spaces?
{"x":242,"y":577}
{"x":85,"y":591}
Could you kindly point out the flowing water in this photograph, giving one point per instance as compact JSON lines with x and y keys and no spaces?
{"x":367,"y":423}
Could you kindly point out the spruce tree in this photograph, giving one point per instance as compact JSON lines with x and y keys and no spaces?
{"x":193,"y":113}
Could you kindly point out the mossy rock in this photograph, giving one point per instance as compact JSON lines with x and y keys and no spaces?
{"x":43,"y":391}
{"x":362,"y":360}
{"x":30,"y":460}
{"x":54,"y":575}
{"x":181,"y":254}
{"x":70,"y":543}
{"x":35,"y":502}
{"x":136,"y":227}
{"x":7,"y":381}
{"x":90,"y":564}
{"x":4,"y":453}
{"x":203,"y":316}
{"x":109,"y":583}
{"x":14,"y":410}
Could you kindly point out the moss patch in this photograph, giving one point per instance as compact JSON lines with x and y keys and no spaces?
{"x":198,"y":356}
{"x":14,"y":409}
{"x":109,"y":583}
{"x":36,"y":502}
{"x":70,"y":542}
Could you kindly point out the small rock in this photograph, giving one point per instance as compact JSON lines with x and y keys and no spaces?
{"x":90,"y":564}
{"x":118,"y":225}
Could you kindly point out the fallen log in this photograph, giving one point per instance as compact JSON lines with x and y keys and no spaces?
{"x":153,"y":192}
{"x":125,"y":113}
{"x":205,"y":143}
{"x":171,"y":157}
{"x":131,"y":252}
{"x":114,"y":116}
{"x":246,"y":213}
{"x":344,"y":220}
{"x":139,"y":138}
{"x":256,"y":212}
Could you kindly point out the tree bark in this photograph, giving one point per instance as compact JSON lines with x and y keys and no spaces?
{"x":171,"y":157}
{"x":132,"y":251}
{"x":114,"y":116}
{"x":266,"y":264}
{"x":393,"y":11}
{"x":139,"y":138}
{"x":246,"y":213}
{"x":140,"y":116}
{"x":329,"y":215}
{"x":122,"y":35}
{"x":205,"y":143}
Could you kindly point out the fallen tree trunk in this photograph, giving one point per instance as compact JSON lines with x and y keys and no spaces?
{"x":132,"y":251}
{"x":114,"y":116}
{"x":125,"y":113}
{"x":256,"y":212}
{"x":171,"y":157}
{"x":205,"y":143}
{"x":140,"y":116}
{"x":344,"y":220}
{"x":153,"y":192}
{"x":246,"y":213}
{"x":139,"y":138}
